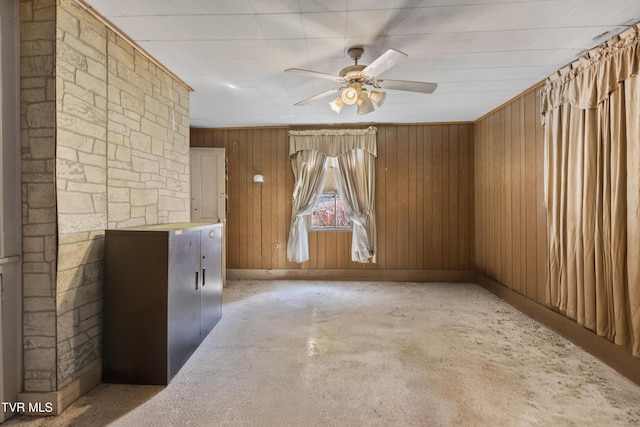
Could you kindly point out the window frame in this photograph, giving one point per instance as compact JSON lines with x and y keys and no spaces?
{"x":336,"y":197}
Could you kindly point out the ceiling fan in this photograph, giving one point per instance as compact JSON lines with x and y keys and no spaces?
{"x":354,"y":77}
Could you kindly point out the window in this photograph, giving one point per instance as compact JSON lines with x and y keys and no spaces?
{"x":351,"y":154}
{"x":329,"y":214}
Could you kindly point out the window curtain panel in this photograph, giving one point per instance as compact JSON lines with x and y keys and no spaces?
{"x":592,"y":189}
{"x":357,"y":189}
{"x":308,"y":171}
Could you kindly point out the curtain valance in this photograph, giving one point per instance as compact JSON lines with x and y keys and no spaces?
{"x":588,"y":81}
{"x":333,"y":142}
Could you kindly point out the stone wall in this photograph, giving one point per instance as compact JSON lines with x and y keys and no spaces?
{"x":120,"y":125}
{"x":148,"y":141}
{"x":81,"y":183}
{"x":37,"y":139}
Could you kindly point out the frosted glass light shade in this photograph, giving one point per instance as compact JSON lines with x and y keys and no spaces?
{"x":378,"y":97}
{"x":337,"y":104}
{"x":349,"y":96}
{"x":365,"y":105}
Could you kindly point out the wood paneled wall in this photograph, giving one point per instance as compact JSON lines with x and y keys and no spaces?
{"x":424,"y":199}
{"x":449,"y":197}
{"x":510,"y":217}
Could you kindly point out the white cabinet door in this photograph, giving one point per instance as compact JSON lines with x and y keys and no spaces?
{"x":207,"y":184}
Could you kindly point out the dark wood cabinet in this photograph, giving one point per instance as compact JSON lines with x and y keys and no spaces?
{"x":162,"y":296}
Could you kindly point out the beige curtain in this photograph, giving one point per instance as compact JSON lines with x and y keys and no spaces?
{"x":592,"y":183}
{"x":308,"y":172}
{"x":356,"y":186}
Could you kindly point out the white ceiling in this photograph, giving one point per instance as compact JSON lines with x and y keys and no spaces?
{"x":480,"y":52}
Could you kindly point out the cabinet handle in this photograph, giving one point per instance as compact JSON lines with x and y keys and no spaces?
{"x":203,"y":270}
{"x":196,"y":280}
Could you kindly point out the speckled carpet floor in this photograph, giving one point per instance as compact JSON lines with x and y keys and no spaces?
{"x":307,"y":353}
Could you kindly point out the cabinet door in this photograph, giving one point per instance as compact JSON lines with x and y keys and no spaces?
{"x":135,"y":301}
{"x":211,"y":289}
{"x":184,"y":298}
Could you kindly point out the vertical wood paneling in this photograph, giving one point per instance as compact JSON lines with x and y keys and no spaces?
{"x":487,"y":249}
{"x":541,"y":238}
{"x":412,"y":193}
{"x":435,"y":249}
{"x":523,"y":199}
{"x":510,"y":219}
{"x":530,"y":167}
{"x":317,"y":260}
{"x":273,"y":199}
{"x":472,"y":195}
{"x":402,"y":197}
{"x":331,"y":243}
{"x":465,"y":193}
{"x":381,"y":198}
{"x":320,"y":251}
{"x":252,"y":212}
{"x":444,"y":195}
{"x":515,"y":284}
{"x":419,"y":193}
{"x":232,"y":224}
{"x":239,"y":200}
{"x":391,"y":189}
{"x":498,"y":218}
{"x":427,"y":153}
{"x":255,"y":200}
{"x":454,"y":203}
{"x":478,"y":217}
{"x":343,"y":252}
{"x":423,"y":201}
{"x":266,"y":199}
{"x":508,"y":197}
{"x":282,"y":209}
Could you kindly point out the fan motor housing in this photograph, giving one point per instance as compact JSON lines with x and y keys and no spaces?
{"x":352,"y":72}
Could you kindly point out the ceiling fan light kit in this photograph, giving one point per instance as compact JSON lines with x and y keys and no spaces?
{"x":337,"y":104}
{"x":365,"y":105}
{"x":350,"y":95}
{"x":354,"y":77}
{"x":378,"y":97}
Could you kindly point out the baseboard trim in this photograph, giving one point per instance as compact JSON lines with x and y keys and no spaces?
{"x":615,"y":356}
{"x":54,"y":402}
{"x":458,"y":276}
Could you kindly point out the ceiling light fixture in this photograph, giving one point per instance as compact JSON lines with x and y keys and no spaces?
{"x":356,"y":94}
{"x":354,"y":77}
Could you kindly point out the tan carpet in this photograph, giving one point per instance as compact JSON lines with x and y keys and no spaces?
{"x":293,"y":353}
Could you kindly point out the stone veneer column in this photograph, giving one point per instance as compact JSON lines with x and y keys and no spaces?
{"x":81,"y":182}
{"x":37,"y":127}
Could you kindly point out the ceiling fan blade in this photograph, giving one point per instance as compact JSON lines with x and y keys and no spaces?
{"x":383,"y":63}
{"x":314,"y":74}
{"x":316,"y":97}
{"x":422,"y":87}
